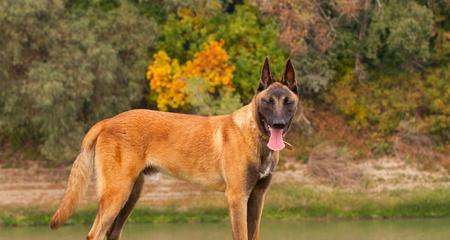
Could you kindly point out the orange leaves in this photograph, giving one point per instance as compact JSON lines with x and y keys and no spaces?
{"x":168,"y":79}
{"x":212,"y":65}
{"x":295,"y":18}
{"x":302,"y":20}
{"x":350,"y":8}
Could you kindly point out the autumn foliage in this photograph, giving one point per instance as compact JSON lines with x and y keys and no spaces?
{"x":165,"y":80}
{"x":212,"y":65}
{"x":168,"y":78}
{"x":376,"y":69}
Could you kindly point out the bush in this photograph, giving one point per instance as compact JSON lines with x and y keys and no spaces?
{"x":400,"y":34}
{"x":168,"y":79}
{"x":436,"y":120}
{"x":381,"y":105}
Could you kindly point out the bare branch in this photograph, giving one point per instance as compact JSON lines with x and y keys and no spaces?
{"x":379,"y":4}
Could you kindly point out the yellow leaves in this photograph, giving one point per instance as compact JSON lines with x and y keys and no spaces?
{"x":164,"y":75}
{"x":167,"y":78}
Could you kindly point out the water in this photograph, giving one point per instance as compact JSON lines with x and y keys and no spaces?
{"x":418,"y":229}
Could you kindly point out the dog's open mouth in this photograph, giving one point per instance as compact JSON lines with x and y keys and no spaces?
{"x":276,"y":142}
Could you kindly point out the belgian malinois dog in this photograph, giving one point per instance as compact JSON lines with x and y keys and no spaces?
{"x":233,"y":153}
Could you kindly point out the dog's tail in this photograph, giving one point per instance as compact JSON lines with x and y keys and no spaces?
{"x":79,"y":177}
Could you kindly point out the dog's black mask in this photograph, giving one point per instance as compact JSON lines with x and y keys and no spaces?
{"x":276,"y":101}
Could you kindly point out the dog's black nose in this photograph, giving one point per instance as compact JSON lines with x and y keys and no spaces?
{"x":280,"y":124}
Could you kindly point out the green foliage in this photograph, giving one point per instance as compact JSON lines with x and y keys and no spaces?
{"x":314,"y":72}
{"x":204,"y":103}
{"x":380,"y":106}
{"x":400,"y":34}
{"x":398,"y":44}
{"x":436,"y":99}
{"x":185,"y":31}
{"x":250,"y":37}
{"x":65,"y":64}
{"x":82,"y":5}
{"x":70,"y":73}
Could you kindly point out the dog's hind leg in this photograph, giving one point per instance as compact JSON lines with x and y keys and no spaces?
{"x":117,"y":171}
{"x":111,"y":201}
{"x":115,"y":231}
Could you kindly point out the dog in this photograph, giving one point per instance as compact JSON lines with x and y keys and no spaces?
{"x":234,"y":153}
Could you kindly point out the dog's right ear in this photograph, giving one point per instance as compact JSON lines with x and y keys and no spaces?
{"x":266,"y":78}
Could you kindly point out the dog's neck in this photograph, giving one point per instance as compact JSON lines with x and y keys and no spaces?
{"x":245,"y":119}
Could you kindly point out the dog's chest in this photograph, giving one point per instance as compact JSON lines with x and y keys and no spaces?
{"x":267,"y":166}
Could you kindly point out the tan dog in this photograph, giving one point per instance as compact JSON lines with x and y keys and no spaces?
{"x":233,"y":153}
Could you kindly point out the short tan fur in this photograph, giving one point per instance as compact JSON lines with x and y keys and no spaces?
{"x":225,"y":153}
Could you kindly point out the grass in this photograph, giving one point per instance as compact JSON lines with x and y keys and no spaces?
{"x":294,"y":202}
{"x":285,"y":202}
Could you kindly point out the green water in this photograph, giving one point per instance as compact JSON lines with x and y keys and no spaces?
{"x":418,"y":229}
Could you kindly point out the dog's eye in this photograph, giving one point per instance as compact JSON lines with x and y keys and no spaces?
{"x":267,"y":101}
{"x":288,"y":102}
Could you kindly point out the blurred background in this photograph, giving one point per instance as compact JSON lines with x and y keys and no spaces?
{"x":375,"y":85}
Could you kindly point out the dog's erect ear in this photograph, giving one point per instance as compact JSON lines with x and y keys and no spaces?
{"x":266,"y":77}
{"x":288,"y":78}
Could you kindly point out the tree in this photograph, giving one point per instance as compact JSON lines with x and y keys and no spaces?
{"x":400,"y":35}
{"x":249,"y":37}
{"x":61,"y":73}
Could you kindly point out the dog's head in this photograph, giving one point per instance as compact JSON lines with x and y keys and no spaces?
{"x":276,"y":104}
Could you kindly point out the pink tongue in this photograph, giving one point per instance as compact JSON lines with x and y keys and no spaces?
{"x":276,"y":142}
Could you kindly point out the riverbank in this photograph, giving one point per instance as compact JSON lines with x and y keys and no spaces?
{"x":377,"y":189}
{"x":286,"y":202}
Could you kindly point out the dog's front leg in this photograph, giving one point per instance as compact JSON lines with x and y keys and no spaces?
{"x":237,"y":204}
{"x":255,"y":207}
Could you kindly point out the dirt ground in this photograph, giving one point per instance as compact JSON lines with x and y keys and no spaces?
{"x":41,"y":186}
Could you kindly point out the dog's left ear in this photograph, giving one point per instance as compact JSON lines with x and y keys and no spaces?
{"x":288,"y":78}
